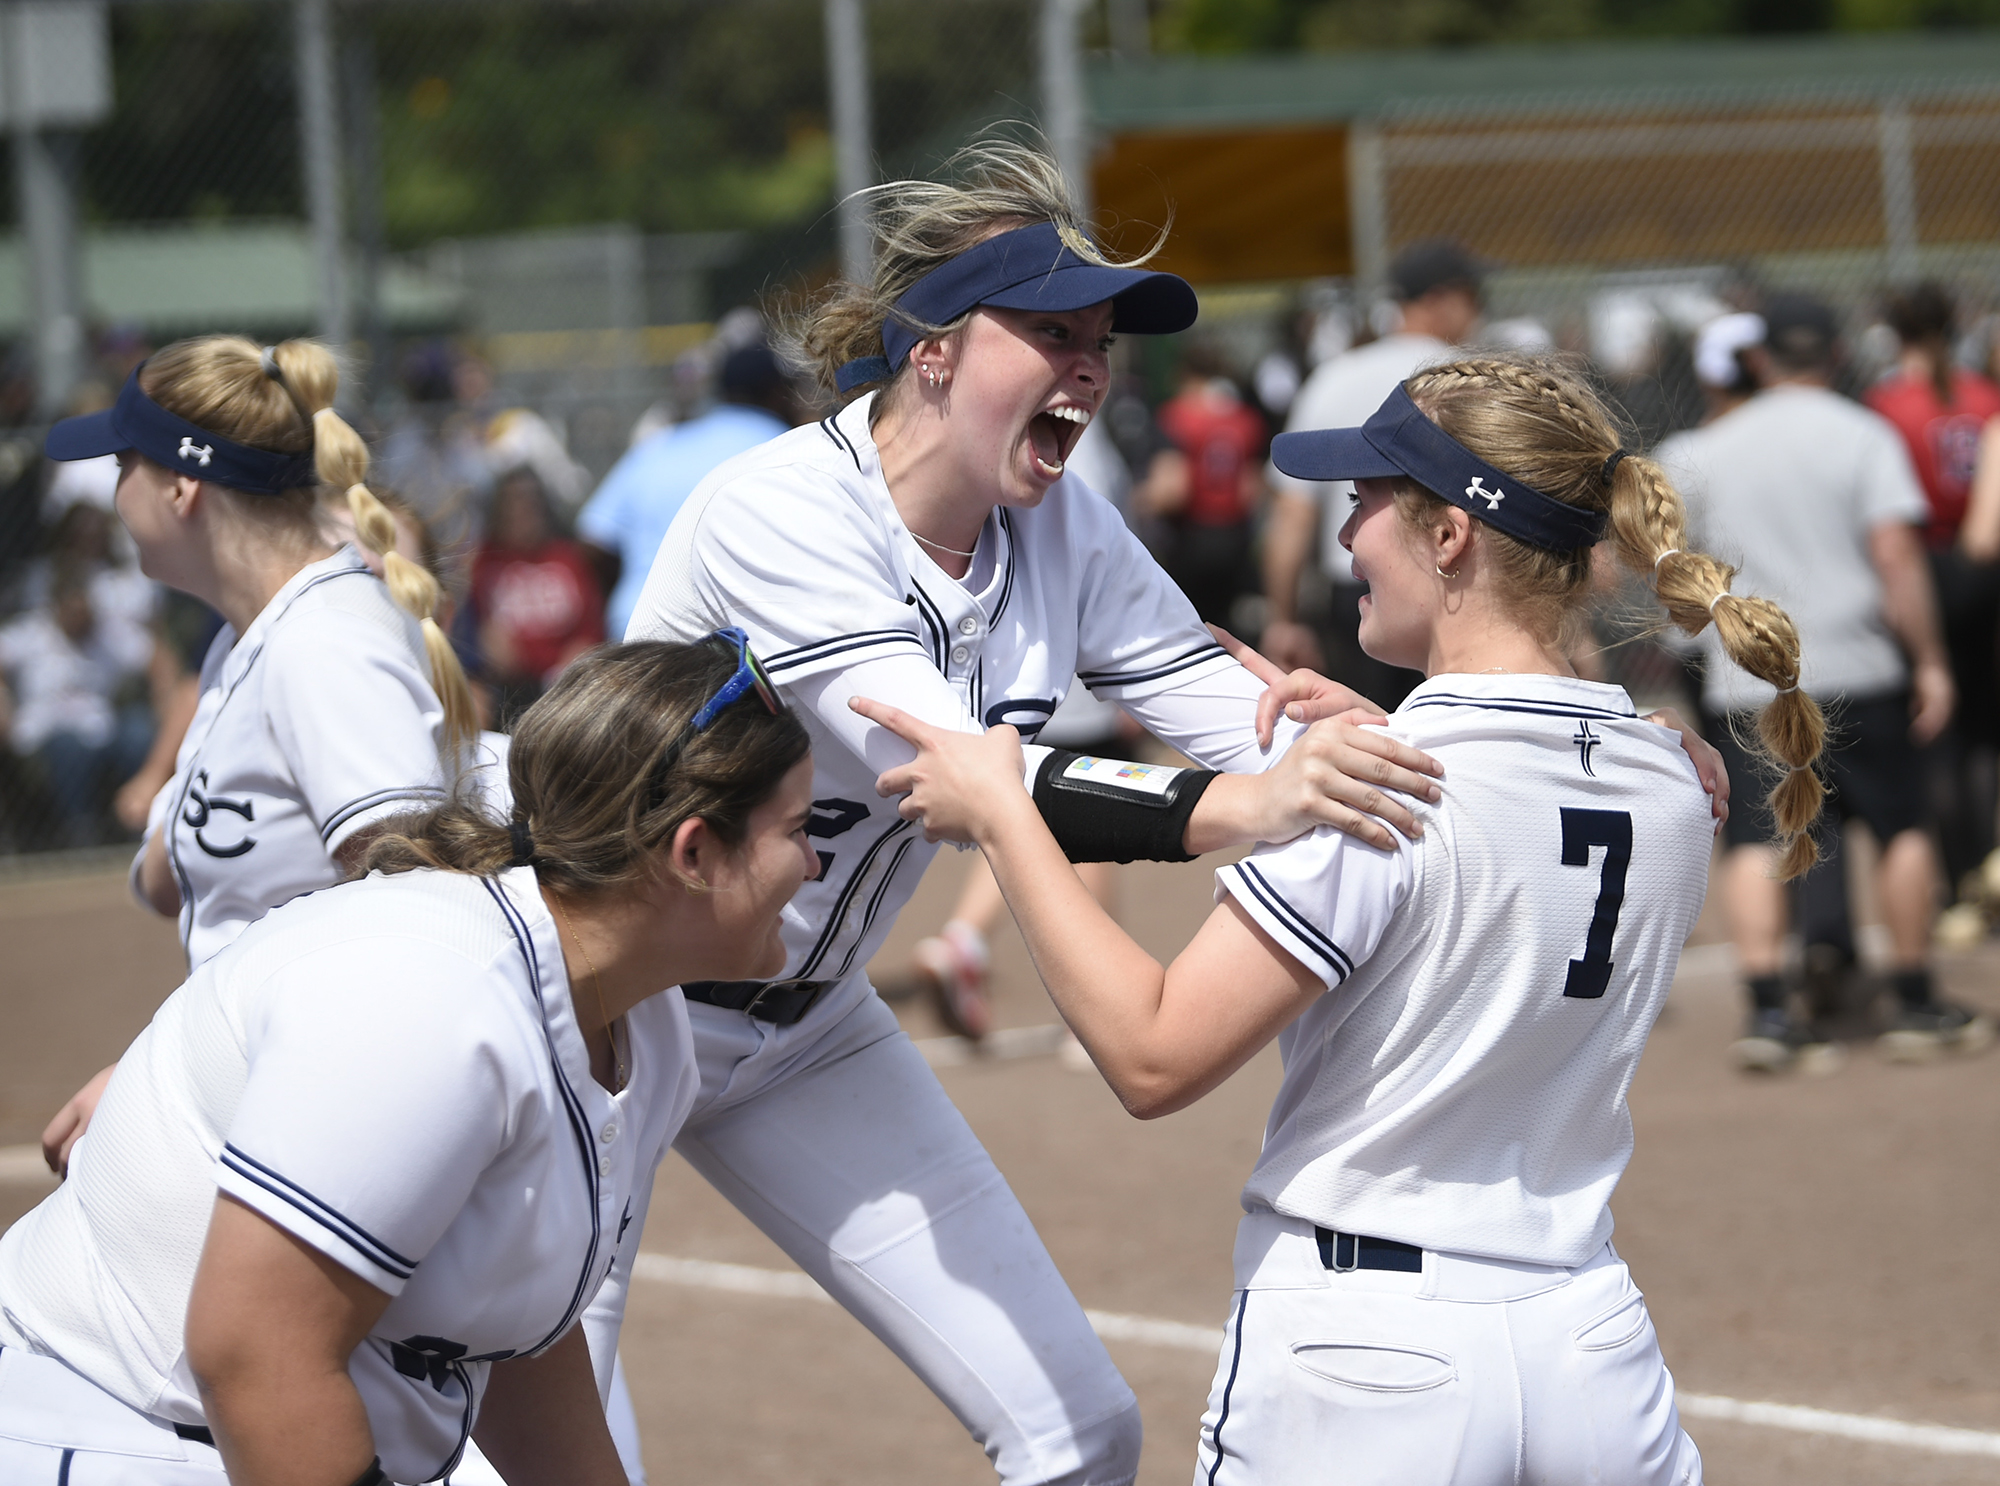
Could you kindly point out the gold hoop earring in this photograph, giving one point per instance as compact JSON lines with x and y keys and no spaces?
{"x":1443,"y":574}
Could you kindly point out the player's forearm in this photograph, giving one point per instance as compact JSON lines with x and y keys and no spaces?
{"x":1232,"y":811}
{"x":542,"y":1422}
{"x":281,"y":1421}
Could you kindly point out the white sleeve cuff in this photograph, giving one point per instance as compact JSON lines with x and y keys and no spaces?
{"x":370,"y":809}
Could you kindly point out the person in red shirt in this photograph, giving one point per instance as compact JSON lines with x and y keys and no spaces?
{"x":535,"y":598}
{"x":1208,"y":485}
{"x":1942,"y":410}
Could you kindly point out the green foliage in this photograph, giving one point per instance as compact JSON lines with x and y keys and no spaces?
{"x":204,"y":124}
{"x":674,"y":117}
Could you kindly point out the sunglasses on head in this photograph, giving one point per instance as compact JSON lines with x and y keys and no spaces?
{"x":748,"y":677}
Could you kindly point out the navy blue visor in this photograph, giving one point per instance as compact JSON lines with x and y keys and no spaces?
{"x":135,"y":421}
{"x":1398,"y":439}
{"x":1030,"y":268}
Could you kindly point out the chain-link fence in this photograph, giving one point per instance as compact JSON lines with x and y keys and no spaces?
{"x":542,"y":214}
{"x":545,"y":213}
{"x":1621,"y":230}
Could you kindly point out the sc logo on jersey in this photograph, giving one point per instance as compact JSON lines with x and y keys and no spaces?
{"x":199,"y":811}
{"x":1029,"y":715}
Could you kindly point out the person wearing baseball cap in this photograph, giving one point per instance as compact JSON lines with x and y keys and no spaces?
{"x":1437,"y":285}
{"x":1818,"y":498}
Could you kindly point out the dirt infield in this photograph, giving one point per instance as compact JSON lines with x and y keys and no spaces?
{"x":1825,"y":1243}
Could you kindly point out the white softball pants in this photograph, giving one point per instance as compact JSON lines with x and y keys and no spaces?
{"x":1475,"y":1372}
{"x":57,"y":1428}
{"x":837,"y":1140}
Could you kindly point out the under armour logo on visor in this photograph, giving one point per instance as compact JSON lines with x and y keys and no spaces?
{"x":200,"y":453}
{"x":1477,"y":491}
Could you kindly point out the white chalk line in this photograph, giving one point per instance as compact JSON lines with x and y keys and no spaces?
{"x":22,"y":1165}
{"x":790,"y":1284}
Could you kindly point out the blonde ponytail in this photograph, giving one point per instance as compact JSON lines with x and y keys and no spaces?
{"x":1649,"y":526}
{"x":1539,"y":421}
{"x":311,"y":376}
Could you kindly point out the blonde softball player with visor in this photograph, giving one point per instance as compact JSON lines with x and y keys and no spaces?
{"x":348,"y":1194}
{"x":925,"y":544}
{"x":1426,"y":1291}
{"x":331,"y":697}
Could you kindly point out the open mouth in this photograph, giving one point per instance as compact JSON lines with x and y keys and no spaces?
{"x":1052,"y":434}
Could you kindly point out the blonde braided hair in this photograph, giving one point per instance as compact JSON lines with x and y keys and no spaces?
{"x":1537,"y":419}
{"x":281,"y":399}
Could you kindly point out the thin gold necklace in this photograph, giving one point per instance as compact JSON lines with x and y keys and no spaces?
{"x":617,"y":1058}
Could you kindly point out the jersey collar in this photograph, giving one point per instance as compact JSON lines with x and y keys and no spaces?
{"x":1549,"y":691}
{"x":243,"y":652}
{"x":554,"y":995}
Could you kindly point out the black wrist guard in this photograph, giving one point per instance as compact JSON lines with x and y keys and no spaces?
{"x":373,"y":1475}
{"x":1104,"y":810}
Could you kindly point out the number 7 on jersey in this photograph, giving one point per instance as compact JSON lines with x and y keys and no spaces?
{"x":1612,"y":830}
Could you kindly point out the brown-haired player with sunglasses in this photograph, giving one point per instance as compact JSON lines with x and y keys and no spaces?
{"x":432,"y":1101}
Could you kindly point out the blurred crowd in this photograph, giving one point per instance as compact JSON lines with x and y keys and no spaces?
{"x":98,"y":665}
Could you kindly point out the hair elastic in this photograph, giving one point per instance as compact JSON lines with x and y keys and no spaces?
{"x":1725,"y":594}
{"x":269,"y":361}
{"x":524,"y":844}
{"x":1612,"y":464}
{"x":1670,"y":552}
{"x":1785,"y":691}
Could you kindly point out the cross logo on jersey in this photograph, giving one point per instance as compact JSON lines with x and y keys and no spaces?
{"x":200,"y":453}
{"x":200,"y":806}
{"x":1477,"y":491}
{"x":1585,"y":740}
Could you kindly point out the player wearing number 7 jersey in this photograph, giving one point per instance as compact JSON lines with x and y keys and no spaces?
{"x":1425,"y":1286}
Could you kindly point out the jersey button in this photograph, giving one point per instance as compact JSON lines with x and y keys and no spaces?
{"x":604,"y":1166}
{"x":609,"y":1133}
{"x":960,"y":656}
{"x":968,"y":626}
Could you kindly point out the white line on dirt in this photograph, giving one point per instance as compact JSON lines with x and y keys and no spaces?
{"x":1938,"y":1439}
{"x":996,"y":1047}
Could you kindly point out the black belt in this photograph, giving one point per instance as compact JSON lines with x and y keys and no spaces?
{"x":199,"y":1433}
{"x":781,"y":1001}
{"x":1345,"y":1252}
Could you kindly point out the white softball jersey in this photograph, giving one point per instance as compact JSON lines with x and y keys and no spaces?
{"x":316,"y":722}
{"x":393,"y":1072}
{"x":1461,"y":1086}
{"x":799,"y":543}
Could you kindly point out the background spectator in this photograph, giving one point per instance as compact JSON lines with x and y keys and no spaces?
{"x":1436,"y":285}
{"x":1819,"y":500}
{"x":69,"y":700}
{"x":535,"y":602}
{"x":1941,"y":410}
{"x":628,"y":516}
{"x":1210,"y":494}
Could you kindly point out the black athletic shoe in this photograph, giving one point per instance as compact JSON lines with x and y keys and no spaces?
{"x":1921,"y":1033}
{"x":1775,"y":1041}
